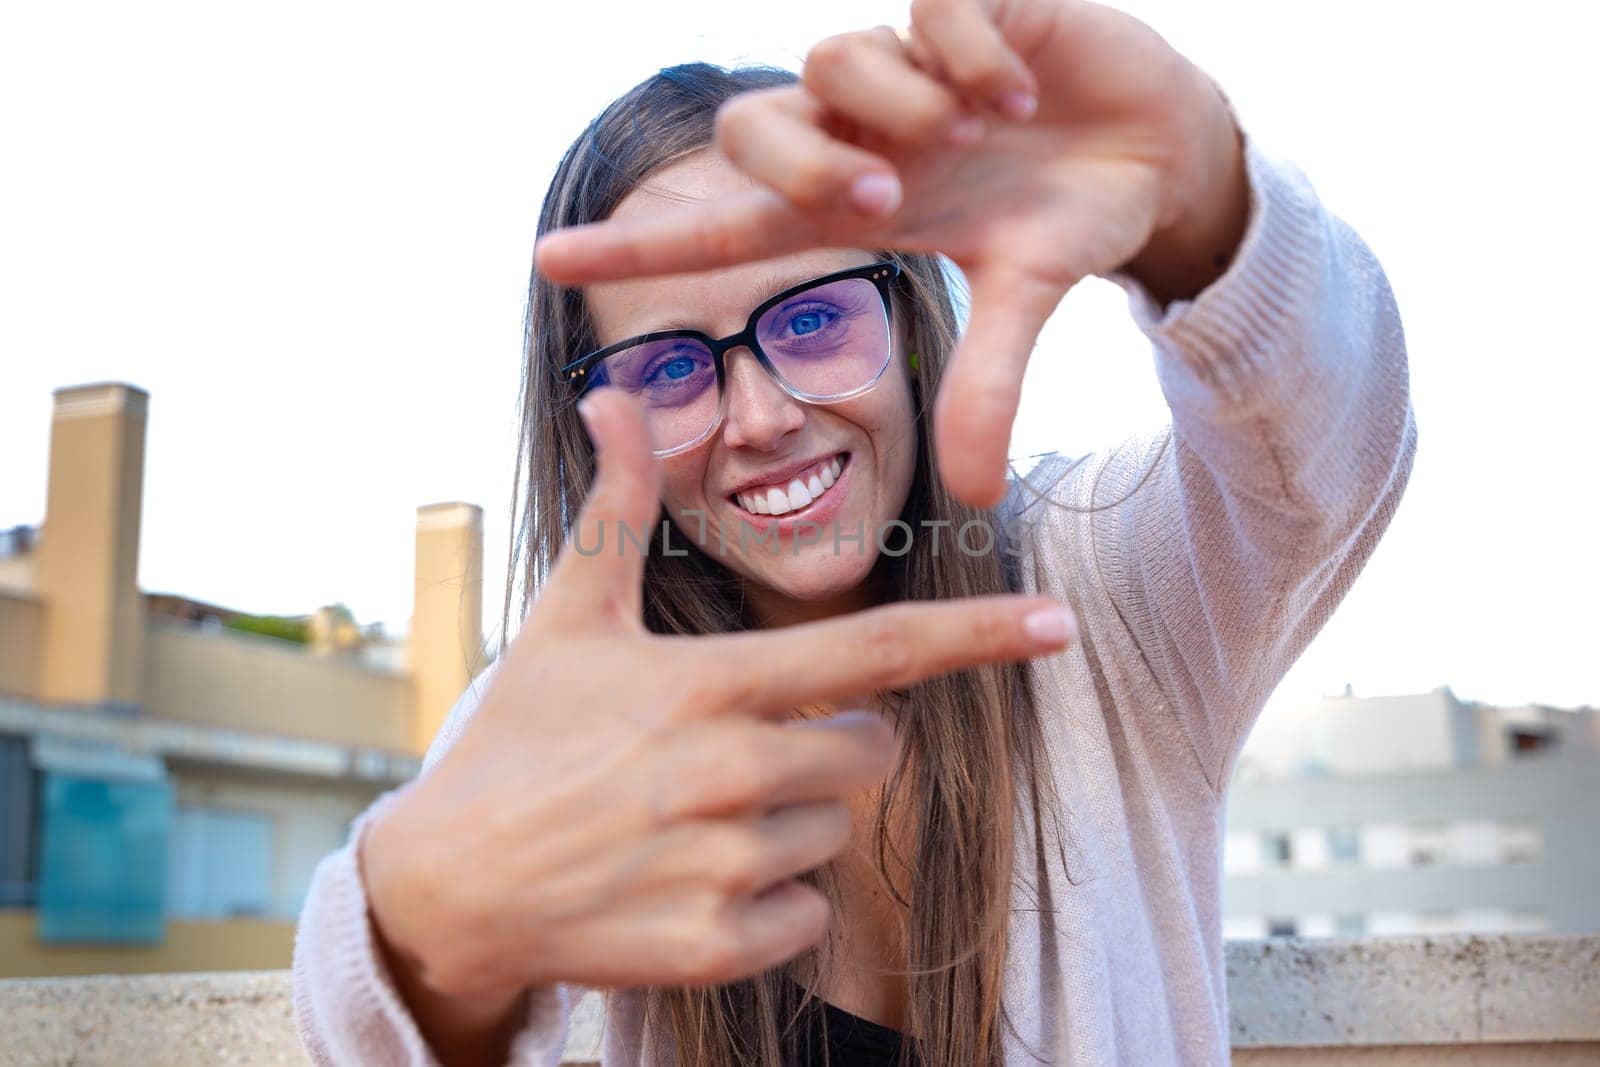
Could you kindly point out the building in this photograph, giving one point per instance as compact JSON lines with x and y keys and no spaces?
{"x":1413,"y":815}
{"x":172,"y":771}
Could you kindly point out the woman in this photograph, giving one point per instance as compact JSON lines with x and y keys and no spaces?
{"x":650,"y":794}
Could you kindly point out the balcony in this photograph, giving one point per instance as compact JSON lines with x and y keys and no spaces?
{"x":1525,"y":999}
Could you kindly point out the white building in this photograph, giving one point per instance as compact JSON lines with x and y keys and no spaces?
{"x":1415,"y":814}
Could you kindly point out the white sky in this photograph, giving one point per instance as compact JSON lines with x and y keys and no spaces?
{"x":305,"y":228}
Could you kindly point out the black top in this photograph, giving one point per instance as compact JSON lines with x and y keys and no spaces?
{"x":851,"y":1040}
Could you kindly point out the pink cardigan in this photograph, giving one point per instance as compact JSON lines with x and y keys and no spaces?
{"x":1291,"y":441}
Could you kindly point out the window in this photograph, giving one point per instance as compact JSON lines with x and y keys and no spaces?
{"x":1526,"y":922}
{"x":1241,"y":852}
{"x":1474,"y":842}
{"x":1527,"y":740}
{"x":1438,"y":921}
{"x":1385,"y":846}
{"x":1521,"y":841}
{"x":1430,"y":844}
{"x":19,"y":807}
{"x":1243,"y":927}
{"x":1344,"y":844}
{"x":1349,"y":925}
{"x":220,"y":864}
{"x":1276,"y":849}
{"x":100,"y":858}
{"x":1280,"y":927}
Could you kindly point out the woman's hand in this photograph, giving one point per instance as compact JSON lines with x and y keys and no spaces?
{"x":626,"y":808}
{"x":1034,"y":142}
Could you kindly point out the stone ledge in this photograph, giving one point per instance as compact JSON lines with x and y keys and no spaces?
{"x":1414,"y":990}
{"x":177,"y":1019}
{"x":1383,"y":996}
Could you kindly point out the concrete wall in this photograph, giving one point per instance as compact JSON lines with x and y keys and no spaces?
{"x":245,"y":944}
{"x":1392,"y":1001}
{"x":1418,"y":731}
{"x":21,"y":630}
{"x":258,"y":683}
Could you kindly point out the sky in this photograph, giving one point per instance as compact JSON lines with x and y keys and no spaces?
{"x":305,"y":229}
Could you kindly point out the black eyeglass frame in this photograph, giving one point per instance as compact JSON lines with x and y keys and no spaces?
{"x":882,"y":274}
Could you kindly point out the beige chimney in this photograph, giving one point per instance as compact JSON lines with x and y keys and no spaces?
{"x":447,"y":621}
{"x":89,"y":548}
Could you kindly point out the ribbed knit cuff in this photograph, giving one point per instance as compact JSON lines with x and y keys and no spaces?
{"x":543,"y":1038}
{"x":346,"y":1002}
{"x":1217,"y":352}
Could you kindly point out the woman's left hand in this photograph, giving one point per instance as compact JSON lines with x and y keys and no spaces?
{"x":1034,"y":142}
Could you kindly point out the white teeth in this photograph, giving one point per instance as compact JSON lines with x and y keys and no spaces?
{"x":775,"y":500}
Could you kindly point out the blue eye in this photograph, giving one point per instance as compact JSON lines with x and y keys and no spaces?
{"x":806,"y":322}
{"x":674,"y":369}
{"x":811,"y":320}
{"x":677,"y":367}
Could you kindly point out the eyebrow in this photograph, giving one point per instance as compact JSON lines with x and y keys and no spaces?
{"x":771,"y":285}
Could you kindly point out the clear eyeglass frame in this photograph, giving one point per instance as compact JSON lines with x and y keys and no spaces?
{"x":883,"y":274}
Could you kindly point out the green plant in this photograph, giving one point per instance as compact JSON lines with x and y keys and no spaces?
{"x":294,"y":630}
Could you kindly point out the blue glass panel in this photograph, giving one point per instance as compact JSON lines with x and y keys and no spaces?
{"x":102,"y":869}
{"x":220,"y":864}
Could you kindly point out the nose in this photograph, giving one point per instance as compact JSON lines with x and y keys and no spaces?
{"x":759,"y":413}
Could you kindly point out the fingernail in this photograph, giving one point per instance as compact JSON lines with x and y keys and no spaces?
{"x":876,"y":194}
{"x":586,"y":413}
{"x":965,"y":131}
{"x":1051,"y":626}
{"x":1019,"y":105}
{"x":838,"y":718}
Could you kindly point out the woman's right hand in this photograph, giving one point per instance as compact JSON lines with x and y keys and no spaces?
{"x":626,"y":808}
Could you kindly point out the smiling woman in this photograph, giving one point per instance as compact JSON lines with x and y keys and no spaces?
{"x":1007,"y":849}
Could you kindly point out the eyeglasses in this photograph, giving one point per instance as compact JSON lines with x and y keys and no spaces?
{"x":822,"y":341}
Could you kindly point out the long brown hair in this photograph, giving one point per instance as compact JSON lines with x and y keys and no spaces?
{"x":973,"y":748}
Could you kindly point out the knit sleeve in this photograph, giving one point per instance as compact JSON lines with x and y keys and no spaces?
{"x":1225,"y":542}
{"x":346,"y":1005}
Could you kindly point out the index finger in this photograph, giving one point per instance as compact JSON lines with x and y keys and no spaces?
{"x":774,"y":671}
{"x":754,"y":225}
{"x":982,"y":385}
{"x":599,"y":572}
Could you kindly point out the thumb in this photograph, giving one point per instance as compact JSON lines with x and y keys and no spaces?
{"x":981,"y":388}
{"x":599,"y":574}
